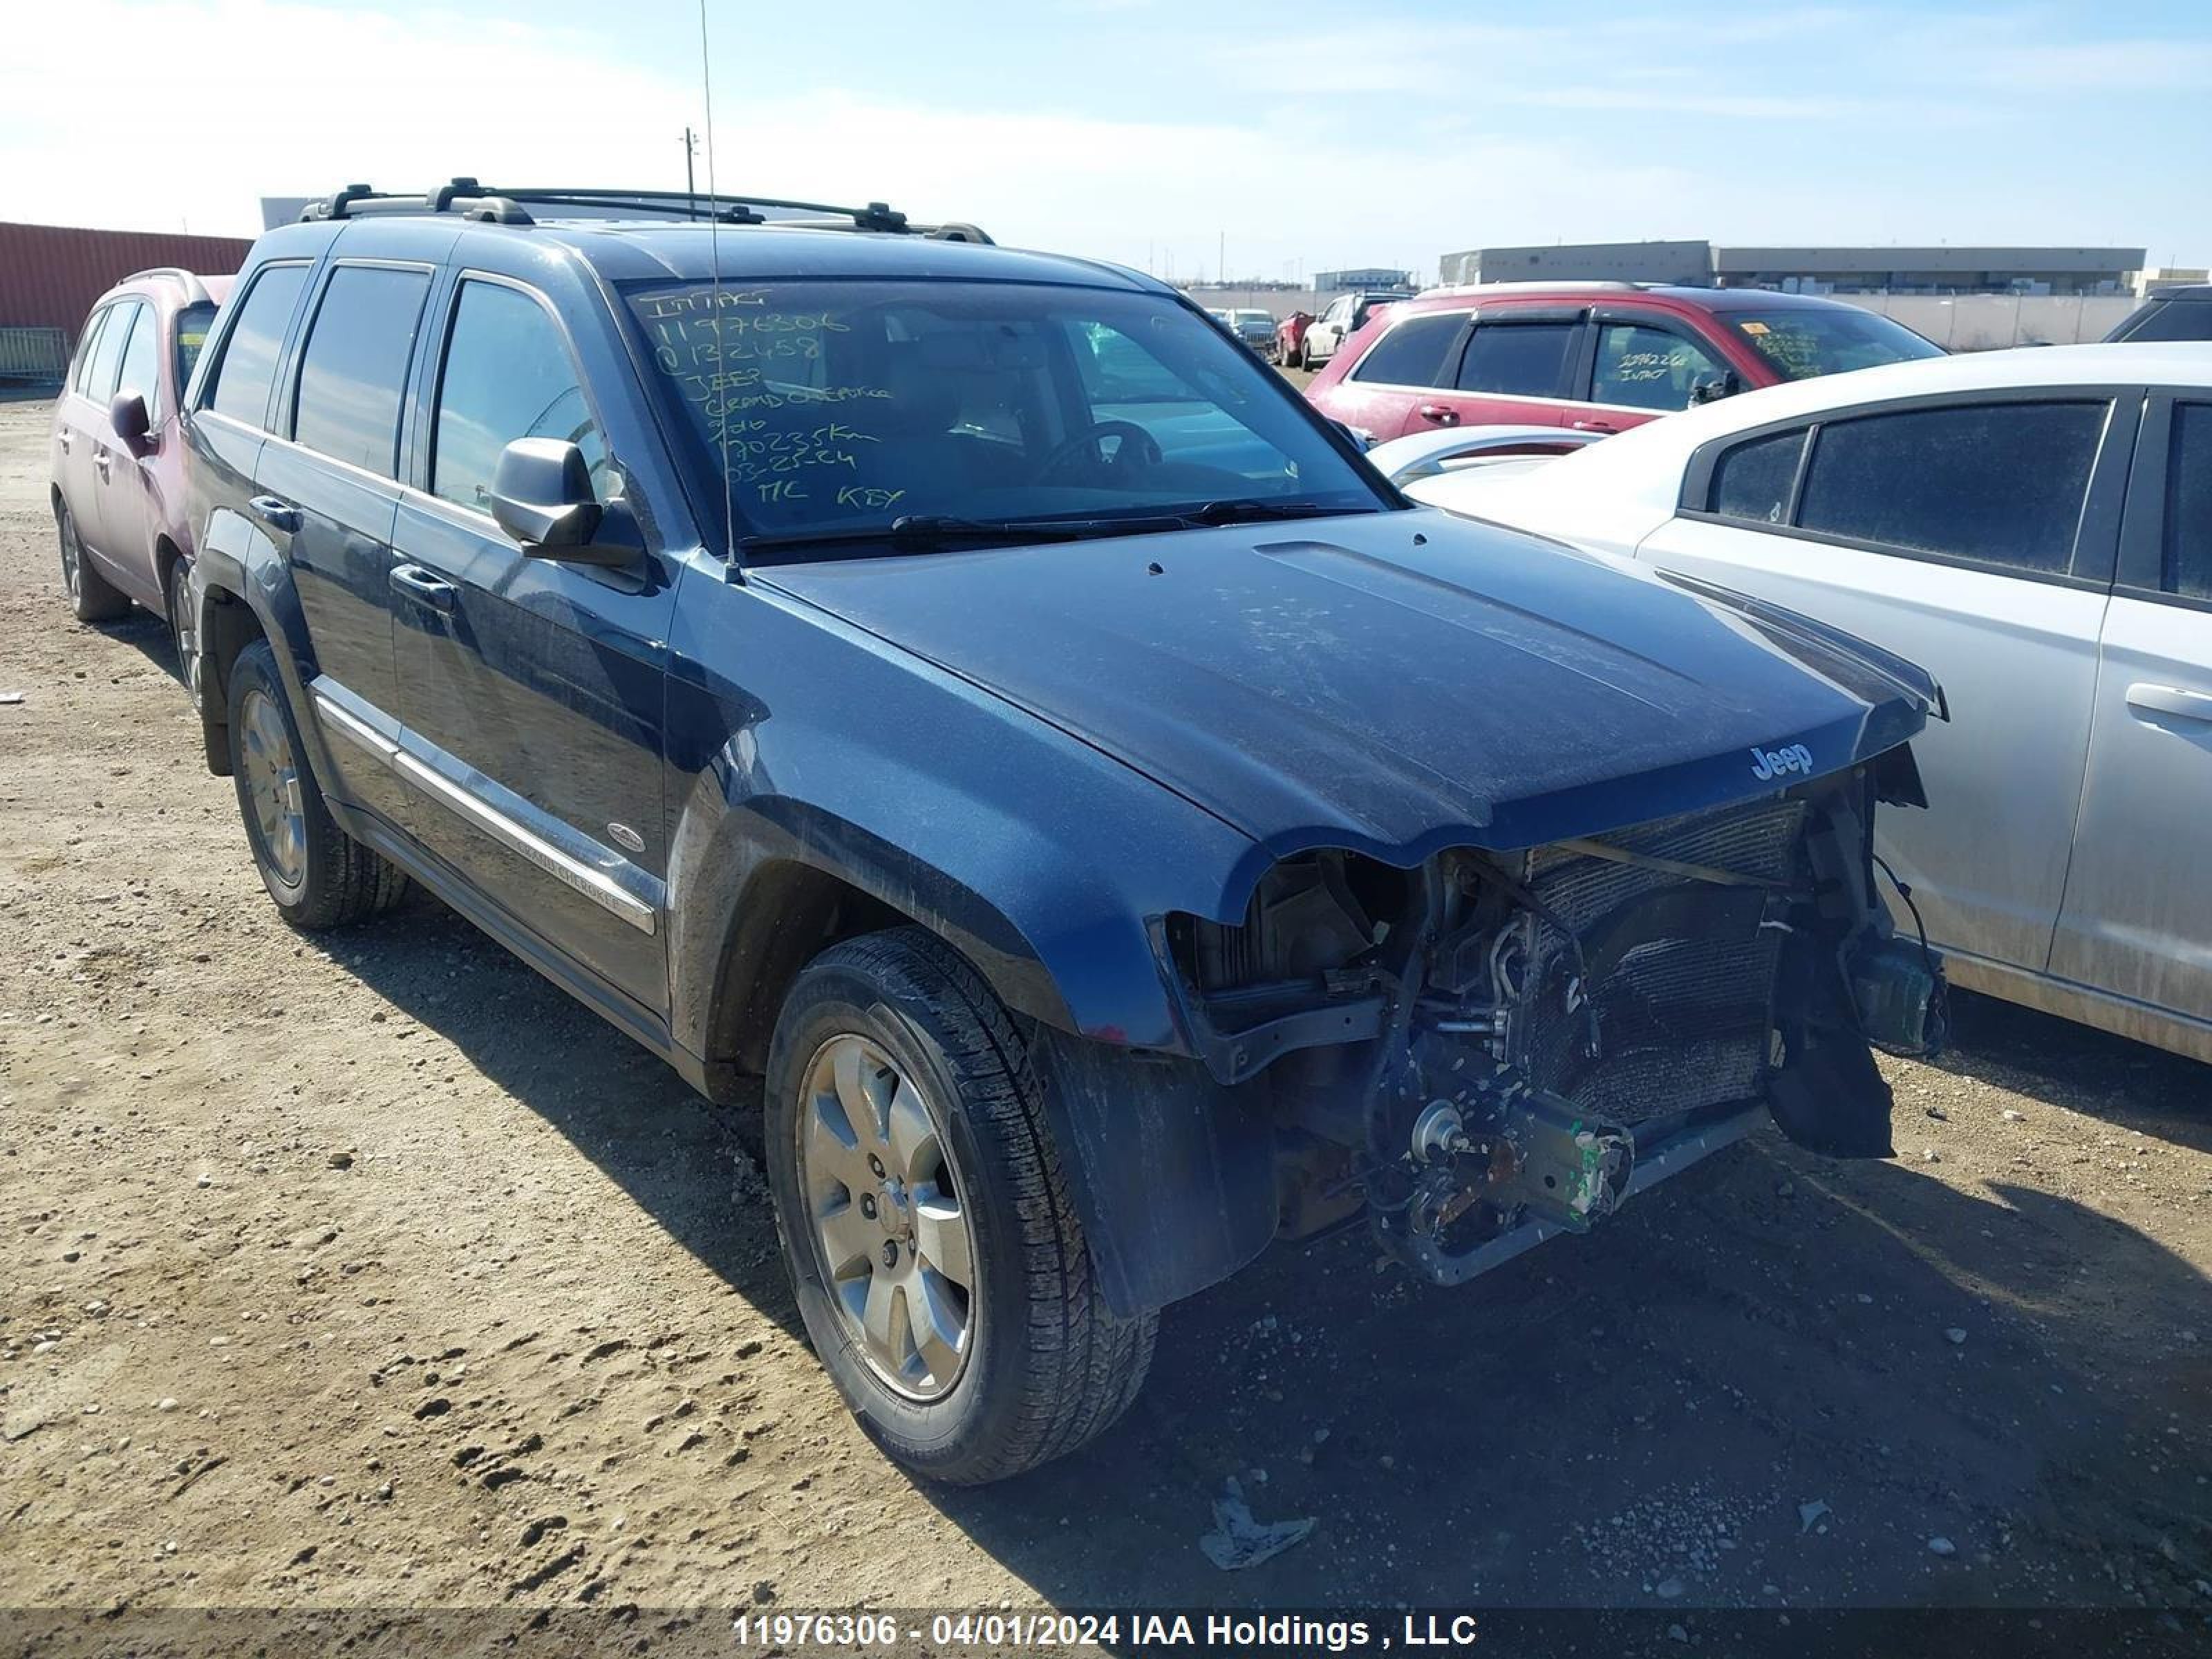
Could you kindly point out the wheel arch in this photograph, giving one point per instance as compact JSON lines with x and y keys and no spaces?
{"x":242,"y":590}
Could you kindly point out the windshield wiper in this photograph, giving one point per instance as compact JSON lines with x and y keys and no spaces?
{"x":938,"y":530}
{"x":1251,"y":511}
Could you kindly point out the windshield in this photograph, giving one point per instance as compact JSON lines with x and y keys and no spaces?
{"x":843,"y":405}
{"x":1800,"y":345}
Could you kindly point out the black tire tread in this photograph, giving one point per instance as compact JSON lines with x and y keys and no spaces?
{"x":96,"y":598}
{"x":1084,"y":1365}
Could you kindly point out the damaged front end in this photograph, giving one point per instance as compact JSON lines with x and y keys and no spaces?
{"x":1491,"y":1047}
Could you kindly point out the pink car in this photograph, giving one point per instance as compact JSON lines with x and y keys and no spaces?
{"x":117,"y":462}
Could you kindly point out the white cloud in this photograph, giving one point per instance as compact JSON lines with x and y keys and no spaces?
{"x":243,"y":98}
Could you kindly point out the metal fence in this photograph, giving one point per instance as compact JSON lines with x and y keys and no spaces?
{"x":39,"y":354}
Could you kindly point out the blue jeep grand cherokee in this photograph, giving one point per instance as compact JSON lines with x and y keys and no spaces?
{"x":966,"y":691}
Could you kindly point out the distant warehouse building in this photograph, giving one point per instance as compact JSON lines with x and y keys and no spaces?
{"x":2060,"y":271}
{"x":1688,"y":264}
{"x":2033,"y":270}
{"x":1363,"y":276}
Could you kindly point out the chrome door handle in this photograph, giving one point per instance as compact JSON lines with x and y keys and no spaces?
{"x":424,"y":587}
{"x":102,"y":459}
{"x":1441,"y":414}
{"x":1592,"y":426}
{"x":276,"y":513}
{"x":2170,"y":700}
{"x":63,"y":438}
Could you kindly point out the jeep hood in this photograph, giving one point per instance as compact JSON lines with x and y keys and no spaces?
{"x":1393,"y":683}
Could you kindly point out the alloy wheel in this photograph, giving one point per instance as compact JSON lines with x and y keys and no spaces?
{"x":272,"y":786}
{"x":884,"y":1205}
{"x":182,"y":631}
{"x":66,"y":530}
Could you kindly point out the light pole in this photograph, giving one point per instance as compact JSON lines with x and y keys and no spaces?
{"x":690,"y":190}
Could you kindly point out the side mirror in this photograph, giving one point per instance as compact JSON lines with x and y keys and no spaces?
{"x":1359,"y":441}
{"x":1711,"y":388}
{"x":541,"y":495}
{"x":126,"y":413}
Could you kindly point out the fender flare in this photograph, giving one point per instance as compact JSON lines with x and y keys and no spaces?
{"x":235,"y":564}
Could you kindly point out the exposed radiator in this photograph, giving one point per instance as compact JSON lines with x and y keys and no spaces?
{"x":1682,"y":1021}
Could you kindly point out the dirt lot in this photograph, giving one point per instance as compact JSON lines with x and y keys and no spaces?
{"x":373,"y":1273}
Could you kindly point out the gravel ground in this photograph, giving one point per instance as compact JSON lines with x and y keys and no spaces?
{"x":371,"y":1272}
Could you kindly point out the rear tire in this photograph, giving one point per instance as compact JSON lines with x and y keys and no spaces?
{"x":92,"y":597}
{"x":1042,"y":1365}
{"x":319,"y":876}
{"x":184,"y":633}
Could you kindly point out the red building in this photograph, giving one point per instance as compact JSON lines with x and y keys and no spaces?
{"x":50,"y":275}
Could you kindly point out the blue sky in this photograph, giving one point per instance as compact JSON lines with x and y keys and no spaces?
{"x":1303,"y":135}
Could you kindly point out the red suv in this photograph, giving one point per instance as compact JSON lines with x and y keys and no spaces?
{"x":118,"y":466}
{"x":1593,"y":357}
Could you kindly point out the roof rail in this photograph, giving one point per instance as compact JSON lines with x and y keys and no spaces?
{"x":472,"y":200}
{"x":196,"y":292}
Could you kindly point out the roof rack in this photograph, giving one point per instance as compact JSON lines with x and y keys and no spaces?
{"x":472,"y":200}
{"x":196,"y":292}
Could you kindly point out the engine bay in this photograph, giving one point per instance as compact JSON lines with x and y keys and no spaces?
{"x":1491,"y":1047}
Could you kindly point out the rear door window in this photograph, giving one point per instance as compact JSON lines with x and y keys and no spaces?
{"x":247,"y":368}
{"x":107,"y":355}
{"x":1998,"y":484}
{"x":1412,"y":353}
{"x":1646,"y":368}
{"x":1518,"y":359}
{"x":2188,"y":503}
{"x":139,"y":369}
{"x":353,"y":365}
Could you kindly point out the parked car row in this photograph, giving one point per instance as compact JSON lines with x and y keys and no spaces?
{"x":2035,"y":525}
{"x":963,"y":698}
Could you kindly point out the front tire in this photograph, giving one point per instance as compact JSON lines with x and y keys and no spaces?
{"x":931,"y":1239}
{"x":319,"y":876}
{"x":92,"y":597}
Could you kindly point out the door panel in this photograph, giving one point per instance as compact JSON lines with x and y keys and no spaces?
{"x":73,"y":435}
{"x":2138,"y":913}
{"x":1397,"y":386}
{"x":340,"y":555}
{"x":128,"y":517}
{"x":533,"y":690}
{"x":2137,"y":920}
{"x":2017,"y":659}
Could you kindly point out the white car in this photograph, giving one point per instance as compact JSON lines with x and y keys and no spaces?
{"x":1341,"y":319}
{"x":2035,"y":528}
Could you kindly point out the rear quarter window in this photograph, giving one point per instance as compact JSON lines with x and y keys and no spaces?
{"x":1753,"y":481}
{"x":1999,"y":483}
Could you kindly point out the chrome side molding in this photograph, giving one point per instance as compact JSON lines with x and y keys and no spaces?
{"x":518,"y":838}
